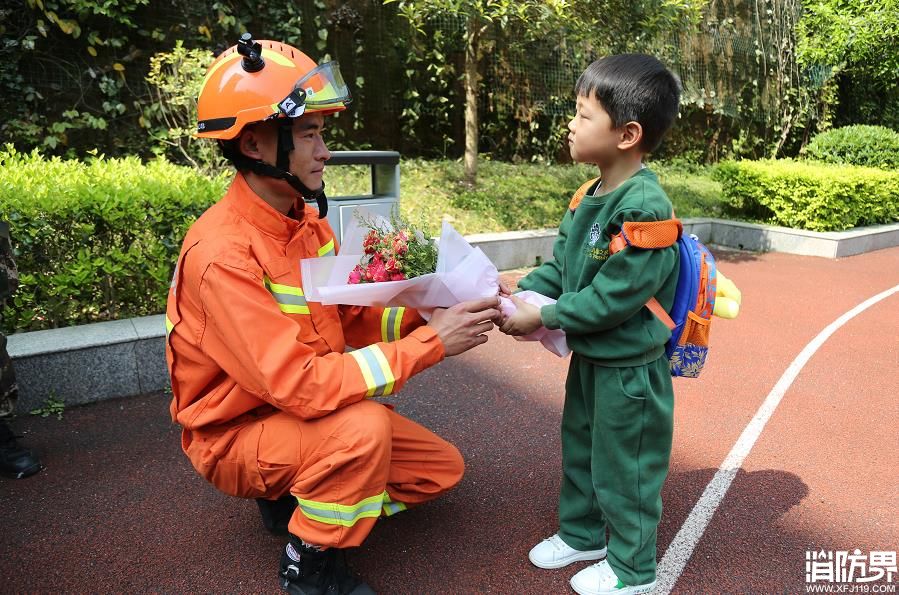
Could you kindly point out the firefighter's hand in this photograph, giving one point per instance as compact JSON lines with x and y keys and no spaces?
{"x":524,"y":321}
{"x":465,"y":325}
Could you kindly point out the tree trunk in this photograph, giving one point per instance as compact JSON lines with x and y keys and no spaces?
{"x":471,"y":101}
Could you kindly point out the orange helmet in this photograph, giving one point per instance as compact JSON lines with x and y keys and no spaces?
{"x":260,"y":80}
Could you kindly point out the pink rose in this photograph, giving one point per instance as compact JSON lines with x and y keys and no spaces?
{"x":400,"y":246}
{"x":370,"y":241}
{"x":397,"y":277}
{"x":356,"y":275}
{"x":377,"y":270}
{"x":393,"y":265}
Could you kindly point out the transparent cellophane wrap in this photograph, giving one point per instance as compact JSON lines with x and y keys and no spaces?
{"x":463,"y":273}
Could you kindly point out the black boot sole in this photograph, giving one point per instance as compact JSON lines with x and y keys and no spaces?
{"x":27,"y":472}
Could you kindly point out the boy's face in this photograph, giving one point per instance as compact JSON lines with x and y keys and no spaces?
{"x":592,"y":138}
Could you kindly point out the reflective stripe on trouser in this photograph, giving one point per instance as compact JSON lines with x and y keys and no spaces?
{"x":345,"y":469}
{"x":347,"y":515}
{"x":618,"y":423}
{"x":390,"y":507}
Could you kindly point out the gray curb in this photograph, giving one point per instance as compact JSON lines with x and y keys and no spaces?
{"x":93,"y":362}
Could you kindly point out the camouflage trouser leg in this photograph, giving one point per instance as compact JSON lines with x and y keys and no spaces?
{"x":9,"y":391}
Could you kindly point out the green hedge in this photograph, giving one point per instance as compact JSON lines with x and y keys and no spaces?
{"x":95,"y":240}
{"x":809,"y":195}
{"x":872,"y":146}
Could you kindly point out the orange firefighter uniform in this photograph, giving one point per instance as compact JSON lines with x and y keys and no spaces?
{"x":273,"y":392}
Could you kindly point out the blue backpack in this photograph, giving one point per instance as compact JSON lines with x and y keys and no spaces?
{"x":690,"y":317}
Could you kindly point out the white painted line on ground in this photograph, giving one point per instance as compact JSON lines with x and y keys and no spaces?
{"x":681,"y":549}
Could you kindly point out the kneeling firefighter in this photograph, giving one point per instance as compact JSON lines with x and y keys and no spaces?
{"x":273,"y":403}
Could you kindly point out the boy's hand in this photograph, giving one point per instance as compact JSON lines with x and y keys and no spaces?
{"x":504,"y":289}
{"x":525,"y":321}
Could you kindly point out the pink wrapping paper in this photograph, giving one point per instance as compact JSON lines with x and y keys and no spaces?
{"x":463,"y":273}
{"x":553,"y":340}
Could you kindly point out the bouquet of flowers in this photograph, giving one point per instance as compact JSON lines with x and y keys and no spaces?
{"x":389,"y":263}
{"x":394,"y":254}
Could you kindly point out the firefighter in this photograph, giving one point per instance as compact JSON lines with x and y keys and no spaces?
{"x":273,"y":392}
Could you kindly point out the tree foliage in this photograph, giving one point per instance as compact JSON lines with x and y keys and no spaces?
{"x":854,"y":35}
{"x":74,"y":72}
{"x":857,"y":43}
{"x":532,"y":17}
{"x":175,"y":79}
{"x":603,"y":26}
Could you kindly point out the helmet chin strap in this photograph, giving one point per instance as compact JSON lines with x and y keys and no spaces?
{"x":281,"y":170}
{"x":285,"y":146}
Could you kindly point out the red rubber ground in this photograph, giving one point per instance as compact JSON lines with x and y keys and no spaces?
{"x":119,"y":509}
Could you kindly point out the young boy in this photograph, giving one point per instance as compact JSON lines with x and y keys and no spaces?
{"x":617,"y":418}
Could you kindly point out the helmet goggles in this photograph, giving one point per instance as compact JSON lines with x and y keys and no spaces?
{"x":321,"y":90}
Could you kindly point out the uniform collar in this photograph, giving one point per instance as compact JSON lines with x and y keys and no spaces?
{"x":259,"y":213}
{"x":643,"y":172}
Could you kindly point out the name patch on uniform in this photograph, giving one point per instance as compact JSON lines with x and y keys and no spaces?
{"x":597,"y":253}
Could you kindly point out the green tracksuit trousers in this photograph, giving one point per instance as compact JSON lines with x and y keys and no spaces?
{"x":617,"y":427}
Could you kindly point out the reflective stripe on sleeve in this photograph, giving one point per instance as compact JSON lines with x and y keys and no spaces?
{"x":291,"y":300}
{"x":327,"y":249}
{"x":391,"y":321}
{"x":375,"y":369}
{"x":169,"y":325}
{"x":344,"y":515}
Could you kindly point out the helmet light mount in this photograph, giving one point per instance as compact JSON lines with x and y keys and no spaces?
{"x":251,"y":52}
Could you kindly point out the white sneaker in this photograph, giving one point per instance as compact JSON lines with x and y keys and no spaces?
{"x":555,"y":553}
{"x":600,"y":579}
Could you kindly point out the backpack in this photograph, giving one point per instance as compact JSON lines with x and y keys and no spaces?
{"x":694,"y":298}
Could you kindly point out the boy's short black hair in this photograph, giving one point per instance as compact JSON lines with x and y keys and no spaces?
{"x":634,"y":88}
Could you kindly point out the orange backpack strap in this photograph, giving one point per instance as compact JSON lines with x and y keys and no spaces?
{"x":648,"y":235}
{"x":656,"y":308}
{"x":581,"y":193}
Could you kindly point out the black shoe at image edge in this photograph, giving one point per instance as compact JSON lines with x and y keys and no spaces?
{"x":16,"y":461}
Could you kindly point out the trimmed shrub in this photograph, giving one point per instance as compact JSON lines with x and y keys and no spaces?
{"x":809,"y":195}
{"x":871,"y":146}
{"x":95,"y":240}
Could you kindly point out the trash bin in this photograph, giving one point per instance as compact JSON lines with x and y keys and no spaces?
{"x":385,"y":187}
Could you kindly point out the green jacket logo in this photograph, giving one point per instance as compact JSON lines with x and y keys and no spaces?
{"x":594,"y":234}
{"x":592,"y":251}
